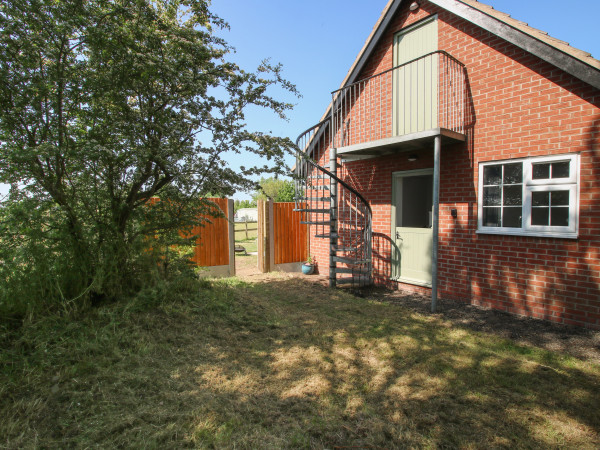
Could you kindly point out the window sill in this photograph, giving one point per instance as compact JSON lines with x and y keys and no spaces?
{"x":547,"y":234}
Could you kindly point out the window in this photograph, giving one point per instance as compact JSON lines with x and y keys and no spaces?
{"x":531,"y":197}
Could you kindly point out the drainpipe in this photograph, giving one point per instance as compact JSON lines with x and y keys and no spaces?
{"x":437,"y":144}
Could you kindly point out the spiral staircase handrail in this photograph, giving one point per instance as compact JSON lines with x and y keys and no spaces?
{"x":302,"y":154}
{"x":339,"y":212}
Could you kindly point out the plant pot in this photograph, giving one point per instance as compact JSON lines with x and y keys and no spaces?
{"x":307,"y":269}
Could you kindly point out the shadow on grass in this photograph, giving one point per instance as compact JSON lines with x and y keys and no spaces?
{"x":290,"y":363}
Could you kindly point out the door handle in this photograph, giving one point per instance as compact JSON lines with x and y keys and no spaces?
{"x":398,"y":236}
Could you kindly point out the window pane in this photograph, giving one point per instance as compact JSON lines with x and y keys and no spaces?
{"x":560,"y":169}
{"x":541,"y":171}
{"x":491,"y":217}
{"x":559,"y":216}
{"x":513,"y":173}
{"x":513,"y":195}
{"x":540,"y":198}
{"x":539,"y":216}
{"x":492,"y":175}
{"x":512,"y":217}
{"x":560,"y":198}
{"x":491,"y":196}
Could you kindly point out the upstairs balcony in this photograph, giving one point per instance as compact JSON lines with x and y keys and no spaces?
{"x":402,"y":109}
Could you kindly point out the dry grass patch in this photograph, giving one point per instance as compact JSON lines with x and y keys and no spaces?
{"x":285,"y":363}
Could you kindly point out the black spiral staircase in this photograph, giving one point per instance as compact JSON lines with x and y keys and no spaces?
{"x":334,"y":211}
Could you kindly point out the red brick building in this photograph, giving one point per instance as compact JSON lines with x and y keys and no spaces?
{"x":475,"y":141}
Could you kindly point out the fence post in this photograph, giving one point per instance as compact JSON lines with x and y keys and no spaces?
{"x":231,"y":224}
{"x":264,"y":241}
{"x":246,"y":225}
{"x":271,"y":229}
{"x":259,"y":235}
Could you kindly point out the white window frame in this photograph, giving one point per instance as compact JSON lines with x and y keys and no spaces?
{"x":530,"y":185}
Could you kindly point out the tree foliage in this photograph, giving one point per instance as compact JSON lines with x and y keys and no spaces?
{"x":274,"y":188}
{"x":239,"y":204}
{"x":103,"y":106}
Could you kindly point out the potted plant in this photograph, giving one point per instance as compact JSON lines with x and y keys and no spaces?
{"x":309,"y":266}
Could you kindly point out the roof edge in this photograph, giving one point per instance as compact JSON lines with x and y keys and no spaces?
{"x":378,"y":29}
{"x":526,"y":41}
{"x":555,"y":56}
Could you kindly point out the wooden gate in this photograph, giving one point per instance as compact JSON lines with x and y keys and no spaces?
{"x":290,"y":236}
{"x":282,"y":239}
{"x":215,"y":244}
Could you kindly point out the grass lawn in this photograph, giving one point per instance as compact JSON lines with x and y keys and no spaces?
{"x":250,"y":245}
{"x":246,"y":239}
{"x":283,"y":363}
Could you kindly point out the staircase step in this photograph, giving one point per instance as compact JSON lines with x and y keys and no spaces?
{"x":362,"y":280}
{"x":350,"y":261}
{"x":327,"y":235}
{"x":357,"y":221}
{"x":317,"y":222}
{"x":322,"y":211}
{"x":364,"y":270}
{"x":352,"y":217}
{"x":319,"y":187}
{"x":313,"y":199}
{"x":345,"y":249}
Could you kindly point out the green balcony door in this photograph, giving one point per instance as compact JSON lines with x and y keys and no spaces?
{"x":412,"y":206}
{"x":415,"y":92}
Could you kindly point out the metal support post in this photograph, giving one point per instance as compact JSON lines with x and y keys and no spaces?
{"x":333,"y":240}
{"x":436,"y":220}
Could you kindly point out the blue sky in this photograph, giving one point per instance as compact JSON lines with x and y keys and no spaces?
{"x":317,"y":41}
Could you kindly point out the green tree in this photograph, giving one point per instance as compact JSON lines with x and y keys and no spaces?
{"x":238,"y":204}
{"x":275,"y":188}
{"x":286,"y":193}
{"x":105,"y":104}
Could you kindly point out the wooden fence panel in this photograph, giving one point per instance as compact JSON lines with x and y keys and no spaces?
{"x":290,"y":236}
{"x":212,"y":245}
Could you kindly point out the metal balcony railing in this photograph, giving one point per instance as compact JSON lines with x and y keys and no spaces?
{"x":423,"y":94}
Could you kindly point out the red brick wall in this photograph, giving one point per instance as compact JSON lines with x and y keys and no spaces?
{"x":523,"y":107}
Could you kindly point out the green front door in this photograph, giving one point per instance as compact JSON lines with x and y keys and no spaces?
{"x":415,"y":102}
{"x":412,"y":226}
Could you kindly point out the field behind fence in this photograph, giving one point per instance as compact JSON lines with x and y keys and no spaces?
{"x":246,"y":230}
